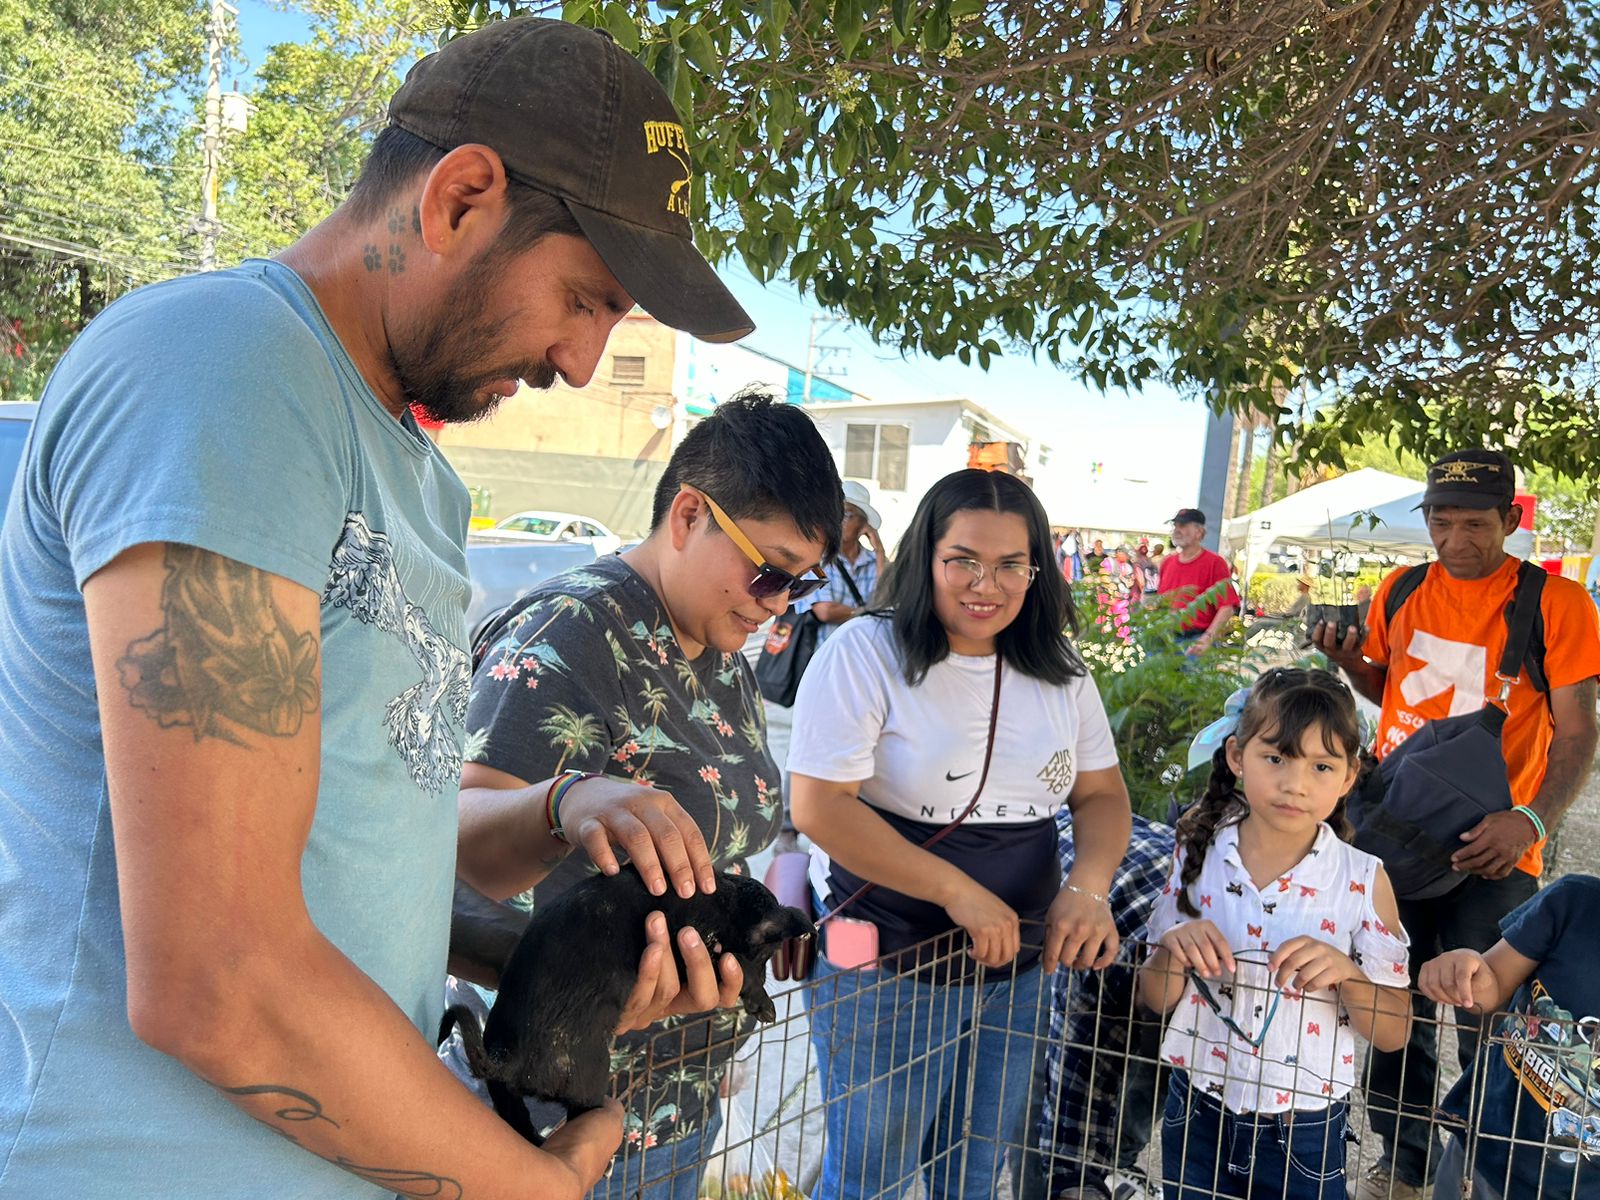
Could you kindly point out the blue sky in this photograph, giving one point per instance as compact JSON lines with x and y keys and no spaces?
{"x":1152,"y":437}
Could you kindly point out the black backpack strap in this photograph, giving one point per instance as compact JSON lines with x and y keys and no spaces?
{"x":1528,"y":646}
{"x":838,"y":565}
{"x":1400,"y":591}
{"x":1522,"y":614}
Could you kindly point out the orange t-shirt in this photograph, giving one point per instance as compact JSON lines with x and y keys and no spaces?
{"x":1443,"y":652}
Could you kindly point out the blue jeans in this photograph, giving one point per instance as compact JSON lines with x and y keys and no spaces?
{"x":669,"y":1172}
{"x":1207,"y":1151}
{"x":922,"y":1081}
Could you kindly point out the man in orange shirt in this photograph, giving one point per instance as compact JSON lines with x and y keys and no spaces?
{"x":1438,"y":659}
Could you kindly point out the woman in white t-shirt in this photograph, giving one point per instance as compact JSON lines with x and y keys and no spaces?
{"x":889,"y":747}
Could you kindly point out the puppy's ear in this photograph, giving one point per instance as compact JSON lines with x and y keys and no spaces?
{"x":779,"y":927}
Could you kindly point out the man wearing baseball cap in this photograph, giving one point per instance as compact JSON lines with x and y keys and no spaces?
{"x":1191,"y":572}
{"x":853,"y":575}
{"x":234,"y":661}
{"x":1436,"y":655}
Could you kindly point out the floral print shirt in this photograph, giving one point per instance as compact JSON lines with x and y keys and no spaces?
{"x":587,"y":674}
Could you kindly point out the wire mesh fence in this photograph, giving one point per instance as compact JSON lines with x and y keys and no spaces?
{"x":891,"y":1080}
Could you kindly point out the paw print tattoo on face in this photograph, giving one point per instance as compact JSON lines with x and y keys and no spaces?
{"x":397,"y":222}
{"x":397,"y":259}
{"x":416,"y":221}
{"x":371,"y":257}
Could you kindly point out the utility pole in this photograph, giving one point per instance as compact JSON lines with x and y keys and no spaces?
{"x":211,"y":175}
{"x":814,"y":350}
{"x":1215,"y":472}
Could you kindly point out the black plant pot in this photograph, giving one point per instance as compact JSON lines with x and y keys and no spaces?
{"x":1345,"y":616}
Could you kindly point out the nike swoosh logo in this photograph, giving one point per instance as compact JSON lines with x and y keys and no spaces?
{"x":952,"y":778}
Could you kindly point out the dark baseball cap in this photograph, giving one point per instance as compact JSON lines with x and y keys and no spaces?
{"x":570,"y":113}
{"x":1189,"y":516}
{"x":1470,"y":479}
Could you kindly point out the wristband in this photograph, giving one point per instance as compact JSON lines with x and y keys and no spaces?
{"x":559,"y":787}
{"x":1538,"y":823}
{"x":1096,"y":896}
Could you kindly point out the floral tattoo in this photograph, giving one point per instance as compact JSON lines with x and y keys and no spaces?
{"x":225,"y":662}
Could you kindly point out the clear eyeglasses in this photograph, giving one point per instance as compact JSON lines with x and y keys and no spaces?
{"x":1012,"y":578}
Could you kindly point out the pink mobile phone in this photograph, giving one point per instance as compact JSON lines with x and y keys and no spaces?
{"x":850,"y":943}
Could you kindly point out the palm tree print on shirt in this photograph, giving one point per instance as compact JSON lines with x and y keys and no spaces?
{"x":591,"y":677}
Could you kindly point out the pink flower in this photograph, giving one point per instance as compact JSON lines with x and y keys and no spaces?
{"x":711,"y":775}
{"x":649,"y":1140}
{"x":503,"y":670}
{"x":532,"y":682}
{"x":532,"y":664}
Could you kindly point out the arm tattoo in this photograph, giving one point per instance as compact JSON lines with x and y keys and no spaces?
{"x":303,"y":1108}
{"x":225,"y":661}
{"x":1569,"y":762}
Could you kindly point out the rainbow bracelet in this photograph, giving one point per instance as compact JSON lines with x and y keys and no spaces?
{"x":1538,"y":824}
{"x":559,"y":787}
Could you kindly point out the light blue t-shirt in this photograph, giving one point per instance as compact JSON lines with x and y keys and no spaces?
{"x":217,"y":411}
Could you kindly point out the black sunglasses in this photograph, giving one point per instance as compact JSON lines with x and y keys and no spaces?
{"x":769,"y":580}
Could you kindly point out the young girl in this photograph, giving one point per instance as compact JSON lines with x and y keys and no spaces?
{"x":1277,"y":942}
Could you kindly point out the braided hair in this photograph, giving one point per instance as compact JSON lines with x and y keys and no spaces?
{"x":1283,"y":704}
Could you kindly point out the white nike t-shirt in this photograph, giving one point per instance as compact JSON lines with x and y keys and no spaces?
{"x":918,"y":754}
{"x":918,"y":751}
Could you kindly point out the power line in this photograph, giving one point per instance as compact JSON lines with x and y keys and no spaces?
{"x":18,"y":144}
{"x":78,"y":93}
{"x":66,"y":249}
{"x":74,"y":223}
{"x":75,"y":228}
{"x":77,"y":203}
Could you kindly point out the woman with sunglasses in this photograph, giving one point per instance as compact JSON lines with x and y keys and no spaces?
{"x":1275,"y":942}
{"x":624,"y":683}
{"x":966,"y":689}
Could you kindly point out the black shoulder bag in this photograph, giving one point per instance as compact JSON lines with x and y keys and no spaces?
{"x":790,"y":645}
{"x":1412,"y":809}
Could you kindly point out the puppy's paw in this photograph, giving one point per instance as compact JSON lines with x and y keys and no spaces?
{"x":761,"y":1007}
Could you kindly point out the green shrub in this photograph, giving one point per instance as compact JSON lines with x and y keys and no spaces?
{"x":1156,"y":697}
{"x":1272,"y":592}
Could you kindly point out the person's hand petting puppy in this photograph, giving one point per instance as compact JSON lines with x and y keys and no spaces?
{"x":659,"y":993}
{"x":649,"y":825}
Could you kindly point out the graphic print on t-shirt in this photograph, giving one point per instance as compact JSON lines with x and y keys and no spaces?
{"x":424,"y":721}
{"x":1553,"y":1055}
{"x":1057,"y":773}
{"x":1443,"y":665}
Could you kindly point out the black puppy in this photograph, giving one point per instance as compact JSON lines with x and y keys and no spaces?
{"x":549,"y":1033}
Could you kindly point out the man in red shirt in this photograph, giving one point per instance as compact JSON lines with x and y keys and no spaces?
{"x":1189,"y":571}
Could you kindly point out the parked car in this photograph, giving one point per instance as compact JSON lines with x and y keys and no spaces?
{"x":16,"y":419}
{"x":503,"y":570}
{"x":557,"y":527}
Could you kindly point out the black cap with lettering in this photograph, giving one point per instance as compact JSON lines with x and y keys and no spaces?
{"x":1470,"y":479}
{"x":570,"y":113}
{"x":1189,"y":516}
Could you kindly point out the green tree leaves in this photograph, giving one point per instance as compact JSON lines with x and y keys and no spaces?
{"x":1389,"y":207}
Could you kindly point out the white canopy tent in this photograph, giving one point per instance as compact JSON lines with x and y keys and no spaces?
{"x":1365,"y":512}
{"x":1400,"y":530}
